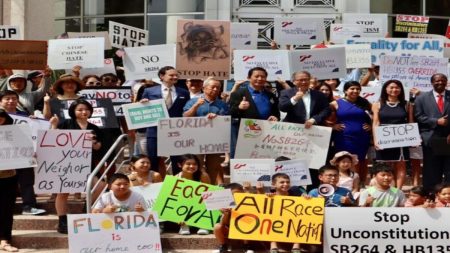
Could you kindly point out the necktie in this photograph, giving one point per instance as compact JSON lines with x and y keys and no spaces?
{"x":168,"y":99}
{"x":440,"y":103}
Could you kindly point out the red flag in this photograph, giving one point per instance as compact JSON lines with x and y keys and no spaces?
{"x":447,"y":34}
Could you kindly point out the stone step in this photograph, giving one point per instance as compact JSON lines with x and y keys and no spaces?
{"x":30,"y":222}
{"x":74,"y":205}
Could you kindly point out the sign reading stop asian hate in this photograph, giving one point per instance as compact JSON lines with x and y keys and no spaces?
{"x":16,"y":147}
{"x":399,"y":135}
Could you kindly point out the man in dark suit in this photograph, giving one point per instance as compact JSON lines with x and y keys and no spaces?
{"x":431,"y":111}
{"x":175,"y":99}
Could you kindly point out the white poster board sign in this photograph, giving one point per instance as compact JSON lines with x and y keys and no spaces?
{"x":267,"y":139}
{"x":144,"y":62}
{"x":66,"y":53}
{"x":194,"y":135}
{"x":298,"y":31}
{"x":116,"y":232}
{"x":276,"y":62}
{"x":73,"y":35}
{"x":433,"y":36}
{"x":122,"y":35}
{"x":244,"y":36}
{"x":35,"y":125}
{"x":141,"y":115}
{"x":399,"y":135}
{"x":149,"y":192}
{"x":216,"y":200}
{"x":9,"y":32}
{"x":375,"y":25}
{"x":297,"y":170}
{"x":16,"y":147}
{"x":357,"y":55}
{"x":108,"y":67}
{"x":339,"y":33}
{"x":251,"y":170}
{"x":322,"y":63}
{"x":64,"y":161}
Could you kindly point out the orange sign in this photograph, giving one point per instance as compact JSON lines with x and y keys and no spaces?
{"x":23,"y":54}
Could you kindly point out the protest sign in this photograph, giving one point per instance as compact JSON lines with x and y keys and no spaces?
{"x":433,"y":36}
{"x":180,"y":200}
{"x":73,"y":35}
{"x":141,"y":115}
{"x":323,"y":63}
{"x":297,"y":170}
{"x":399,"y":135}
{"x":116,"y":232}
{"x":252,"y":170}
{"x":64,"y":161}
{"x":244,"y":35}
{"x":276,"y":62}
{"x":203,"y":49}
{"x":411,"y":24}
{"x":194,"y":135}
{"x":356,"y":55}
{"x":23,"y":54}
{"x":340,"y":32}
{"x":9,"y":32}
{"x":108,"y":67}
{"x":144,"y":62}
{"x":16,"y":147}
{"x":386,"y":230}
{"x":267,"y":139}
{"x":150,"y":192}
{"x":122,"y":35}
{"x":413,"y":71}
{"x":118,"y":95}
{"x":66,"y":53}
{"x":375,"y":25}
{"x":401,"y":47}
{"x":35,"y":124}
{"x":216,"y":200}
{"x":298,"y":31}
{"x":277,"y":219}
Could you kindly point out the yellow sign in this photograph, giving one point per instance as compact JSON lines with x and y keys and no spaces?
{"x":277,"y":219}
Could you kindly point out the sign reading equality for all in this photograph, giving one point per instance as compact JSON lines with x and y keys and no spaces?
{"x":16,"y":147}
{"x":411,"y":24}
{"x":23,"y":54}
{"x":399,"y":135}
{"x":258,"y":217}
{"x":433,"y":36}
{"x":298,"y":31}
{"x":122,"y":35}
{"x":276,"y":62}
{"x":375,"y":25}
{"x":194,"y":135}
{"x":141,"y":115}
{"x":244,"y":35}
{"x":323,"y":63}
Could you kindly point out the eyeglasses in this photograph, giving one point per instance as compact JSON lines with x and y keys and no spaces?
{"x":94,"y":83}
{"x":331,"y":175}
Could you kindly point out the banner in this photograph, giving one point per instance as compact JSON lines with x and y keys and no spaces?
{"x":180,"y":200}
{"x":108,"y":67}
{"x":339,"y":33}
{"x":66,"y":53}
{"x":194,"y":135}
{"x":413,"y":72}
{"x":398,"y":46}
{"x":23,"y":54}
{"x":276,"y":63}
{"x":399,"y":135}
{"x":16,"y":147}
{"x":216,"y":200}
{"x":433,"y":36}
{"x":323,"y":63}
{"x":297,"y":170}
{"x":411,"y":24}
{"x":35,"y":125}
{"x":142,"y":115}
{"x":375,"y":25}
{"x":150,"y":192}
{"x":9,"y":32}
{"x":244,"y":35}
{"x":390,"y":229}
{"x":203,"y":49}
{"x":298,"y":31}
{"x":64,"y":161}
{"x":257,"y":217}
{"x":73,"y":35}
{"x":122,"y":35}
{"x":118,"y":95}
{"x":116,"y":232}
{"x":144,"y":62}
{"x":267,"y":139}
{"x":252,"y":170}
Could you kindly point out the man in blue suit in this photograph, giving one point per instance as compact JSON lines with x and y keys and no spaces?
{"x":175,"y":99}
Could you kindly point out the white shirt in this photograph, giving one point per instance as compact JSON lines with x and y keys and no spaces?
{"x":127,"y":205}
{"x":165,"y":91}
{"x":306,"y":101}
{"x":436,"y":96}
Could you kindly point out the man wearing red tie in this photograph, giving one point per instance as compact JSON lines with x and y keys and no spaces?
{"x":431,"y":111}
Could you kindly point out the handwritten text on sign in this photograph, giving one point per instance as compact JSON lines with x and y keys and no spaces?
{"x":276,"y":62}
{"x":279,"y":218}
{"x":64,"y":161}
{"x":117,"y":232}
{"x":35,"y":124}
{"x":195,"y":135}
{"x":16,"y":147}
{"x":401,"y":135}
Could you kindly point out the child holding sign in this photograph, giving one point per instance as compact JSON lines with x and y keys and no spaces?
{"x":443,"y":195}
{"x":141,"y":173}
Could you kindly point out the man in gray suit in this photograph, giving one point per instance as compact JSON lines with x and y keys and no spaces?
{"x":431,"y":111}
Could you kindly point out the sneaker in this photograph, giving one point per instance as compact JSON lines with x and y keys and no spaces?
{"x":249,"y":251}
{"x":33,"y":211}
{"x":222,"y":249}
{"x":202,"y":232}
{"x":184,"y":230}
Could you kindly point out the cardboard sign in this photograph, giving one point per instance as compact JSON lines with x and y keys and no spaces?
{"x":244,"y":36}
{"x":297,"y":170}
{"x":117,"y":232}
{"x":105,"y":35}
{"x":66,"y":53}
{"x":23,"y":54}
{"x":144,"y":62}
{"x":122,"y":35}
{"x":142,"y":115}
{"x":413,"y":71}
{"x":16,"y":147}
{"x":323,"y":63}
{"x":108,"y":67}
{"x":375,"y":25}
{"x":339,"y":33}
{"x":257,"y":217}
{"x":118,"y":95}
{"x":399,"y":135}
{"x":276,"y":63}
{"x":411,"y":24}
{"x":433,"y":36}
{"x":298,"y":31}
{"x":402,"y":47}
{"x":64,"y":161}
{"x":252,"y":170}
{"x":149,"y":192}
{"x":194,"y":135}
{"x":203,"y":49}
{"x":180,"y":200}
{"x":9,"y":32}
{"x":266,"y":139}
{"x":35,"y":125}
{"x":386,"y":230}
{"x":216,"y":200}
